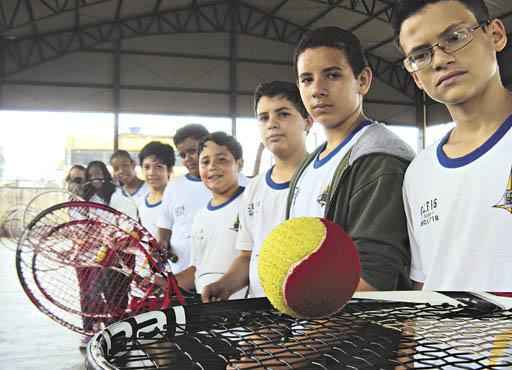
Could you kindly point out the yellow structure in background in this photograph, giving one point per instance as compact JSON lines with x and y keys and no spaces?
{"x":84,"y":149}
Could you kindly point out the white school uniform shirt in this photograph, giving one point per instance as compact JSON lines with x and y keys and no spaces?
{"x":139,"y":194}
{"x":149,"y":214}
{"x":214,"y":235}
{"x":182,"y":198}
{"x":262,"y":208}
{"x":310,"y":194}
{"x":459,"y":216}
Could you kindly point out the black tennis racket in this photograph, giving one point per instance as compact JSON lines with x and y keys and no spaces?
{"x":365,"y":335}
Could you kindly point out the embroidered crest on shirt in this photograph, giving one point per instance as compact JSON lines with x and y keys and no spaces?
{"x":506,"y":201}
{"x":236,"y":225}
{"x":428,"y":212}
{"x":324,"y":196}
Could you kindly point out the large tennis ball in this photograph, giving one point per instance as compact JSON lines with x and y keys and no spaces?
{"x":309,"y":267}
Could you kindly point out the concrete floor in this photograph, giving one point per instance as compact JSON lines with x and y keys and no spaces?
{"x":28,"y":338}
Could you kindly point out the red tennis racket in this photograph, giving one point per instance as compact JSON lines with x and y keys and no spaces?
{"x":85,"y":265}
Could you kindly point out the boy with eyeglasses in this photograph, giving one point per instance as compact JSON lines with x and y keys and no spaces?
{"x":458,"y":192}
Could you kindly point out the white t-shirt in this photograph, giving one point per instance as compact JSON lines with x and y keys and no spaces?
{"x":183,"y":197}
{"x":214,"y":236}
{"x":149,"y":214}
{"x":310,"y":194}
{"x":262,"y":208}
{"x":120,"y":203}
{"x":459,"y":215}
{"x":139,"y":194}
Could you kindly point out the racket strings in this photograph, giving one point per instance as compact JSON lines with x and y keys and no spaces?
{"x":392,"y":337}
{"x":82,"y":269}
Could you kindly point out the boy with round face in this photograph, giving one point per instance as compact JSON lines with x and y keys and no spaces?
{"x":123,"y":168}
{"x":216,"y":225}
{"x":283,"y":123}
{"x":355,"y":177}
{"x":458,"y":192}
{"x":183,"y":197}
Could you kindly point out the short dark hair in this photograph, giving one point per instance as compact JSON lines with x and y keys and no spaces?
{"x":121,"y":153}
{"x":334,"y":37}
{"x":405,"y":9}
{"x":163,"y":152}
{"x":193,"y":130}
{"x":223,"y":139}
{"x":282,"y":89}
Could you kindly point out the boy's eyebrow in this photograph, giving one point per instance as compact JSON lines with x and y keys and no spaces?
{"x":446,"y":30}
{"x":277,"y":110}
{"x":327,"y":69}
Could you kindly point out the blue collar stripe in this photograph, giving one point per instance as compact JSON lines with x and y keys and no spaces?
{"x":192,"y":178}
{"x":448,"y":162}
{"x":275,"y":185}
{"x":320,"y":162}
{"x":239,"y":191}
{"x":146,"y":200}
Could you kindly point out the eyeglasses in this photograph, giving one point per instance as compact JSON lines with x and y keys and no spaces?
{"x":449,"y":43}
{"x":77,"y":180}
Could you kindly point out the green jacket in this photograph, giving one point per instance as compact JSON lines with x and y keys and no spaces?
{"x":365,"y":198}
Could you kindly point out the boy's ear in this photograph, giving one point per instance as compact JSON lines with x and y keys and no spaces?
{"x":365,"y":79}
{"x":309,"y":124}
{"x":240,"y":163}
{"x":499,"y":34}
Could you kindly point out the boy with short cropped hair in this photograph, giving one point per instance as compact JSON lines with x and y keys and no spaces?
{"x":355,"y":178}
{"x":157,"y":161}
{"x":458,"y":192}
{"x":283,"y":123}
{"x":216,"y":225}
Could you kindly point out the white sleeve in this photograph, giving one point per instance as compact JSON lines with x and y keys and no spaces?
{"x":195,"y":247}
{"x":244,"y":241}
{"x":166,"y":218}
{"x":417,"y":274}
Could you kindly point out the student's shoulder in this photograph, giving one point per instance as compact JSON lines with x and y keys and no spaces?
{"x":423,"y":163}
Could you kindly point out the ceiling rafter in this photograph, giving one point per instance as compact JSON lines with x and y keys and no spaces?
{"x":11,"y":17}
{"x":212,"y":16}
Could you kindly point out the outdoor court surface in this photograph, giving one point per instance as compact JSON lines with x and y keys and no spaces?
{"x":29,"y":339}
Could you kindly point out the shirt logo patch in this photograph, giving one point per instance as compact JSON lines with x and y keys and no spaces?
{"x":428,"y":212}
{"x":253,"y":207}
{"x":324,"y":197}
{"x":179,"y":211}
{"x":506,"y":200}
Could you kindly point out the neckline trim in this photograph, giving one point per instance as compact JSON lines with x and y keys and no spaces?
{"x":458,"y":162}
{"x":275,"y":185}
{"x":239,"y":191}
{"x":320,"y":162}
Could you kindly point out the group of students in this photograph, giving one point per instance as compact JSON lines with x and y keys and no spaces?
{"x":440,"y":220}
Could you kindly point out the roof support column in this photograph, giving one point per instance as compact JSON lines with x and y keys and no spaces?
{"x":2,"y":70}
{"x":421,"y":119}
{"x":116,"y":90}
{"x":233,"y":56}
